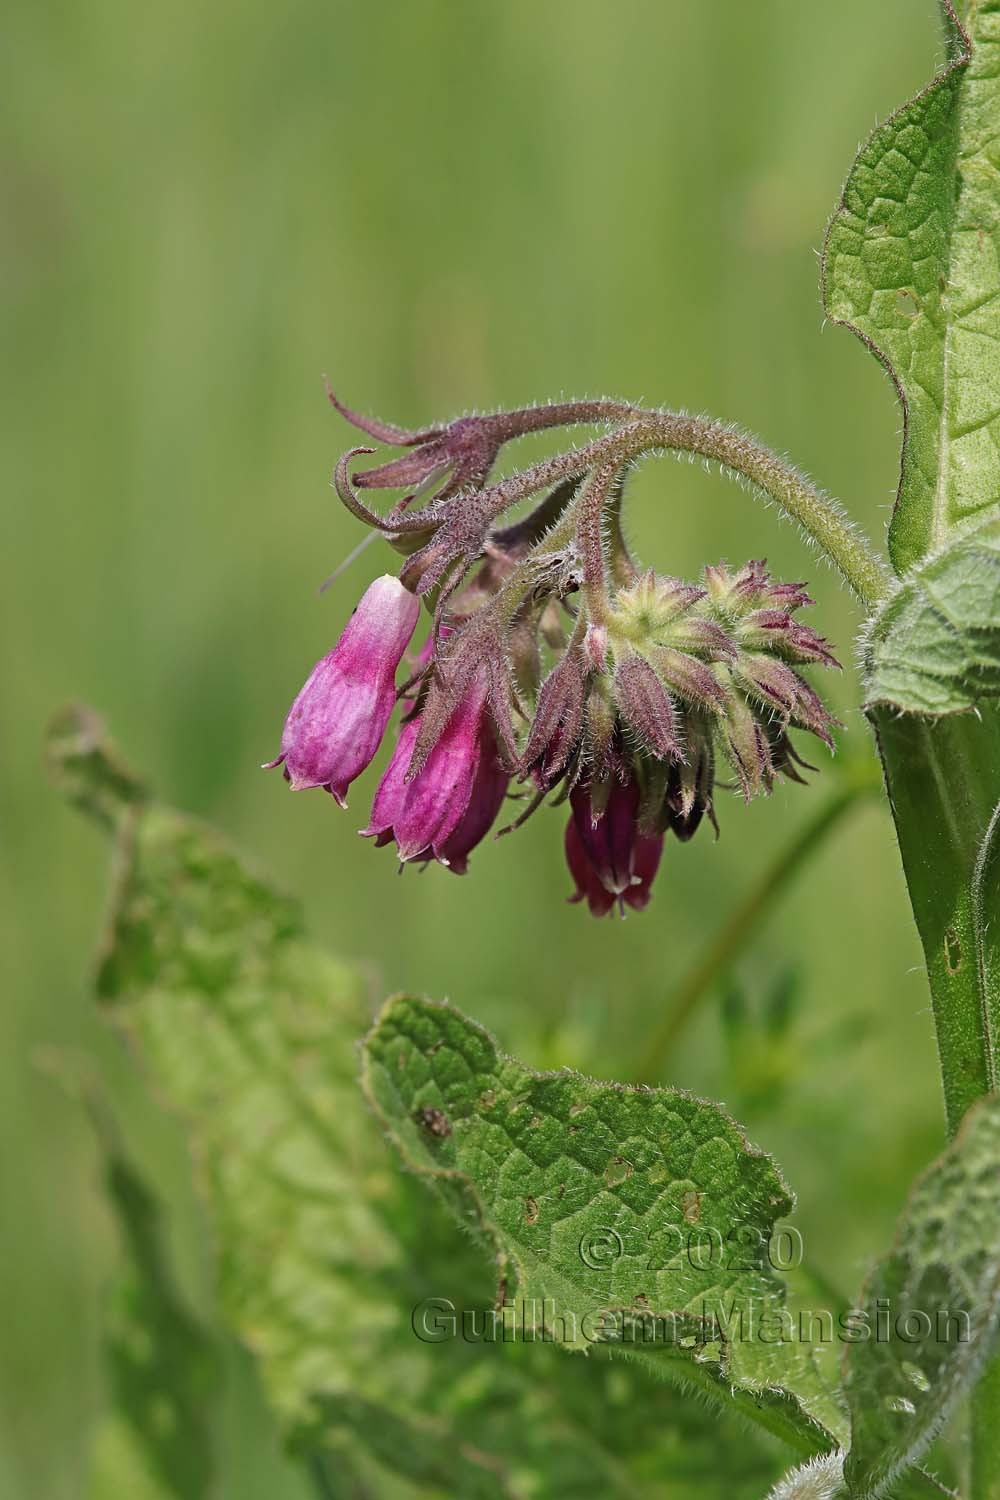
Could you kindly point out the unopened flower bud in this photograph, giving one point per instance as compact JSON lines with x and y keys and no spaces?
{"x":691,"y":784}
{"x":646,"y":612}
{"x":599,"y":733}
{"x":746,"y":746}
{"x":645,"y":707}
{"x":595,"y":647}
{"x":556,"y":727}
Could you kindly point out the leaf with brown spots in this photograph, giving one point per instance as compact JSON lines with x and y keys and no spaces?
{"x":601,"y":1204}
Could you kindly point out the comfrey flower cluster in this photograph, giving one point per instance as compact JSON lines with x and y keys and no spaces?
{"x":554,"y":666}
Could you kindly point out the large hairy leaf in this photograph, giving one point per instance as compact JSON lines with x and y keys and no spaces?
{"x":640,"y":1217}
{"x":933,"y":1305}
{"x":911,"y":264}
{"x":636,"y":1218}
{"x":324,"y":1253}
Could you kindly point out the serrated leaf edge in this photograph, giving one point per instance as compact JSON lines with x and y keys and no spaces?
{"x":773,"y":1407}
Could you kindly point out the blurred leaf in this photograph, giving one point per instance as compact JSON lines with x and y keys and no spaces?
{"x":935,"y":647}
{"x":935,"y":1326}
{"x":165,"y":1368}
{"x":119,"y":1465}
{"x":911,"y":265}
{"x":323,"y":1252}
{"x":595,"y":1197}
{"x":762,"y":1050}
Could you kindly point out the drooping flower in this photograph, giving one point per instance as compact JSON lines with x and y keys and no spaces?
{"x":489,"y":788}
{"x":610,"y":857}
{"x":336,"y":723}
{"x":443,"y":808}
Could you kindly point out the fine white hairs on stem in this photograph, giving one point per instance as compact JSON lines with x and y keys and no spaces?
{"x":820,"y":1479}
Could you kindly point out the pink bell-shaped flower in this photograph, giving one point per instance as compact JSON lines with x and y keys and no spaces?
{"x":336,"y":723}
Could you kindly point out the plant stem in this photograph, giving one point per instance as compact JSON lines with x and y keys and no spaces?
{"x":985,"y":1408}
{"x":821,"y":518}
{"x":985,"y":1435}
{"x":943,"y":783}
{"x":594,"y":497}
{"x":942,"y":780}
{"x":741,"y":924}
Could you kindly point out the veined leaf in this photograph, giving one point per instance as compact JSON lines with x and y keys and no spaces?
{"x":934,"y":1302}
{"x":911,"y":264}
{"x":935,"y":646}
{"x":633,"y":1216}
{"x":323,"y":1251}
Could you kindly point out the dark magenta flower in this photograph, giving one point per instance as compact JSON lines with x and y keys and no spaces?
{"x":611,"y":858}
{"x":392,"y":789}
{"x":336,"y":723}
{"x":443,"y":810}
{"x":588,"y":886}
{"x":489,"y":788}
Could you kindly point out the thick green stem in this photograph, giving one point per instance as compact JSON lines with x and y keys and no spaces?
{"x":943,"y":779}
{"x":985,"y":1435}
{"x":985,"y":1414}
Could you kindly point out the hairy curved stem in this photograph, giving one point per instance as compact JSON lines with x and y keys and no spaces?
{"x":820,"y":517}
{"x":594,"y":497}
{"x":744,"y":920}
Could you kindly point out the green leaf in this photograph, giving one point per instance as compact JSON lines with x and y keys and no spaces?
{"x":934,"y":648}
{"x":633,"y":1216}
{"x":188,"y":1419}
{"x":164,"y":1365}
{"x":933,"y":1305}
{"x":323,"y":1251}
{"x":911,"y":265}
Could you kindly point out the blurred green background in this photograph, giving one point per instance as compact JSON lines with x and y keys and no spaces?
{"x":445,"y":206}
